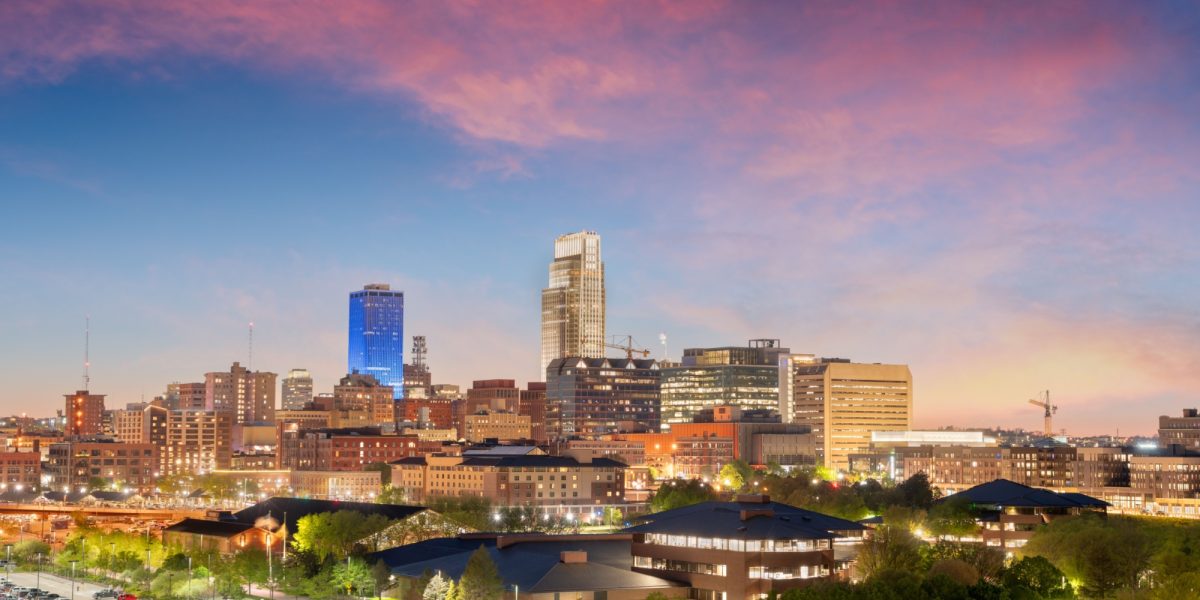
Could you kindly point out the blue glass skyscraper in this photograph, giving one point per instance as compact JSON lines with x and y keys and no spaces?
{"x":376,"y":344}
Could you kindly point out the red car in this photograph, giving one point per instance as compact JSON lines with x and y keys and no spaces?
{"x":126,"y":597}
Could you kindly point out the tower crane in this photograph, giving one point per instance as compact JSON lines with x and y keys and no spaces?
{"x":1043,"y":401}
{"x":627,"y":346}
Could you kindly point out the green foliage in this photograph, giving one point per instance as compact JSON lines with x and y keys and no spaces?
{"x":952,"y":517}
{"x":1037,"y":575}
{"x":352,"y":575}
{"x":391,"y":495}
{"x":27,"y":551}
{"x":915,"y":492}
{"x":678,"y":493}
{"x":436,"y":589}
{"x":337,"y":534}
{"x":987,"y":562}
{"x":731,"y":477}
{"x":481,"y":579}
{"x":956,"y":570}
{"x":891,"y":548}
{"x":1104,"y":554}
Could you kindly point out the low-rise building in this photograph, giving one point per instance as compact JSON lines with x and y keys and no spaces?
{"x":1009,"y":512}
{"x":74,"y":465}
{"x":363,"y":486}
{"x":345,"y":449}
{"x":563,"y":483}
{"x":497,"y":425}
{"x":20,"y":470}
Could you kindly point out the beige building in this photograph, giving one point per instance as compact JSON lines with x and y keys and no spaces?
{"x":186,"y":396}
{"x":249,"y":396}
{"x":361,"y":401}
{"x":513,"y":480}
{"x":843,"y":403}
{"x":147,"y":424}
{"x":337,"y":485}
{"x":573,"y":302}
{"x":198,"y":441}
{"x":500,"y":425}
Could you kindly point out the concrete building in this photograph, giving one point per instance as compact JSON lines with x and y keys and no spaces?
{"x":376,"y":335}
{"x":185,"y":396}
{"x":73,"y":465}
{"x":141,"y":423}
{"x":361,"y":401}
{"x":84,"y":414}
{"x":533,"y":405}
{"x":746,"y":377}
{"x":1183,"y":431}
{"x":573,"y":302}
{"x":499,"y":425}
{"x":842,"y":403}
{"x":362,"y":486}
{"x":565,"y":484}
{"x":296,"y":390}
{"x":248,"y":396}
{"x":20,"y":470}
{"x":198,"y":441}
{"x":588,"y":397}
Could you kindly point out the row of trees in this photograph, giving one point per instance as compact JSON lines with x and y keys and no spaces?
{"x":480,"y":581}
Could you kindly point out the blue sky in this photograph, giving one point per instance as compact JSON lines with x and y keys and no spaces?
{"x":1004,"y":198}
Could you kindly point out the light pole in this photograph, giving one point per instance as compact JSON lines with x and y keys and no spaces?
{"x":8,"y":563}
{"x":38,"y":585}
{"x":112,"y":559}
{"x":188,"y":589}
{"x":270,"y":565}
{"x":83,"y":556}
{"x":73,"y":579}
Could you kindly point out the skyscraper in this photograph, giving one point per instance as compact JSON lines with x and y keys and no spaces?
{"x":843,"y":402}
{"x":376,"y":344}
{"x":573,"y":304}
{"x":297,"y":389}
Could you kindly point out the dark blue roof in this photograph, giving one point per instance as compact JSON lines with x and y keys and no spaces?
{"x":716,"y":521}
{"x":796,"y":514}
{"x":295,"y":508}
{"x":1003,"y":492}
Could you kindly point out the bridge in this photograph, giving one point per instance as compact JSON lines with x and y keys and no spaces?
{"x":47,"y":511}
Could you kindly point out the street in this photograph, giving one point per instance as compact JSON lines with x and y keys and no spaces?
{"x":56,"y":584}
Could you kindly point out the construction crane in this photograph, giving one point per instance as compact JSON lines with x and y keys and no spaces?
{"x":628,"y":346}
{"x":1043,"y":401}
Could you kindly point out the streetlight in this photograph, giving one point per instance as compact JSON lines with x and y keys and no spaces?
{"x":188,"y":589}
{"x":8,"y":563}
{"x":73,"y":579}
{"x":112,"y":559}
{"x":39,"y":572}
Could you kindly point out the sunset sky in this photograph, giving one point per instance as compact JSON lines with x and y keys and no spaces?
{"x":1005,"y":196}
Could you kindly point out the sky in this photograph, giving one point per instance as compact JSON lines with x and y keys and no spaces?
{"x":1004,"y":196}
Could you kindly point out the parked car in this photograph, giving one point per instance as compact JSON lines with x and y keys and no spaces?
{"x":105,"y":594}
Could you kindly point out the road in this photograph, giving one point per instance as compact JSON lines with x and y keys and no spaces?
{"x":56,"y":584}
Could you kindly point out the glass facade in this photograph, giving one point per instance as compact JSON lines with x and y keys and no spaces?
{"x":742,"y":376}
{"x":376,"y":344}
{"x":587,"y":397}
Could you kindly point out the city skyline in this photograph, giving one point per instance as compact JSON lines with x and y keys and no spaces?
{"x":1003,"y":200}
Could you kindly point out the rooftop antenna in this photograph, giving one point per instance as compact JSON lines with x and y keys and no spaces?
{"x":87,"y":342}
{"x":419,"y":352}
{"x":662,"y":339}
{"x":250,"y":359}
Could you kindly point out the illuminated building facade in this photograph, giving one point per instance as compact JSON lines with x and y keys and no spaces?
{"x":573,"y":302}
{"x":84,"y":413}
{"x":842,"y":403}
{"x":248,"y":395}
{"x":587,"y":397}
{"x":297,"y":390}
{"x":746,"y":377}
{"x":376,"y":341}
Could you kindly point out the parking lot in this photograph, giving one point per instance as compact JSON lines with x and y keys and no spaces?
{"x":56,"y":584}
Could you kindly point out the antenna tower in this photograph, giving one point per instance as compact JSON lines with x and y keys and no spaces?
{"x":419,"y":352}
{"x":250,"y":360}
{"x":87,"y":343}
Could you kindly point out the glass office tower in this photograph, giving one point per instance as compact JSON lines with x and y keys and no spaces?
{"x":376,"y":345}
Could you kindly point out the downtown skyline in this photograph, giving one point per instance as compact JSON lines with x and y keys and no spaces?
{"x":1004,"y":218}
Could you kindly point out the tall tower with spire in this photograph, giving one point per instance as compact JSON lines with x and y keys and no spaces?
{"x":573,"y":302}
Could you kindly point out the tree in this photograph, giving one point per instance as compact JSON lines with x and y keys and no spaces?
{"x":677,"y":494}
{"x":382,"y":576}
{"x":27,"y":551}
{"x":351,"y":574}
{"x":385,"y":472}
{"x":250,"y":566}
{"x":915,"y":492}
{"x":953,"y":517}
{"x":98,"y":483}
{"x":481,"y":579}
{"x":956,"y":570}
{"x":1038,"y":575}
{"x":336,"y":534}
{"x":436,"y":588}
{"x":732,"y":478}
{"x":1104,"y":554}
{"x":892,"y":547}
{"x":455,"y":592}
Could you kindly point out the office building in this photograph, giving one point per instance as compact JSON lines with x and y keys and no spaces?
{"x":20,"y":470}
{"x":1183,"y":431}
{"x":746,"y":377}
{"x":573,"y":302}
{"x":361,"y":401}
{"x":185,"y":396}
{"x":842,"y":403}
{"x":376,"y":337}
{"x":74,"y":465}
{"x":198,"y":441}
{"x":247,"y":395}
{"x":565,"y":483}
{"x":345,"y":449}
{"x":141,"y":423}
{"x":587,"y":397}
{"x":84,"y":414}
{"x":497,"y":425}
{"x":427,"y":413}
{"x":297,"y":390}
{"x":533,"y":405}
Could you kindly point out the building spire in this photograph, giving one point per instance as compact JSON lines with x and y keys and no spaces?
{"x":87,"y":362}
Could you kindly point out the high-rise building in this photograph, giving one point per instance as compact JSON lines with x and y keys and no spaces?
{"x":376,"y":341}
{"x":746,"y":377}
{"x":198,"y":441}
{"x":533,"y":404}
{"x":587,"y":397}
{"x":573,"y":303}
{"x":248,"y":395}
{"x":185,"y":396}
{"x":84,"y":413}
{"x":843,"y":403}
{"x":297,"y":389}
{"x":361,"y":401}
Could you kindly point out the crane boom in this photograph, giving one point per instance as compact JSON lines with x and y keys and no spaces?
{"x":1043,"y":402}
{"x":627,"y":347}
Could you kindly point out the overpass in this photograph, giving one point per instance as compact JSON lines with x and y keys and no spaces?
{"x":46,"y":511}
